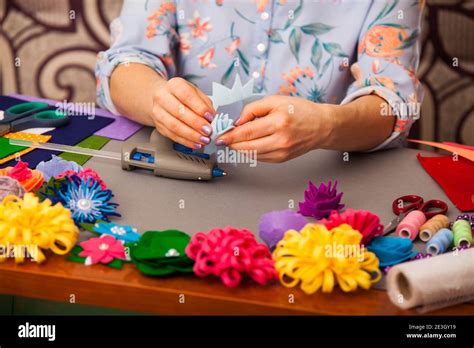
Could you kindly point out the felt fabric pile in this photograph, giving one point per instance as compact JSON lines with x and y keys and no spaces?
{"x":79,"y":128}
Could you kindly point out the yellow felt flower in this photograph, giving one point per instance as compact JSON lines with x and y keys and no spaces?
{"x":30,"y":225}
{"x":317,"y":259}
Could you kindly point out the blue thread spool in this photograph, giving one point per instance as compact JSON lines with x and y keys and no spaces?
{"x":440,"y":242}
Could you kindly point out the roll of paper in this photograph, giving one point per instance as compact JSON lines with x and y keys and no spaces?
{"x":434,"y":282}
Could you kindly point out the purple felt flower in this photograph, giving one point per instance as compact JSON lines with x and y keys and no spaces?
{"x":273,"y":225}
{"x":320,"y":201}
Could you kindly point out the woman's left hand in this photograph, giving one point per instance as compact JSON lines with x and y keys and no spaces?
{"x":282,"y":128}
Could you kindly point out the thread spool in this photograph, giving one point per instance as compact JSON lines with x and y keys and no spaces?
{"x":433,"y":225}
{"x":440,"y":242}
{"x":410,"y":225}
{"x":462,"y":233}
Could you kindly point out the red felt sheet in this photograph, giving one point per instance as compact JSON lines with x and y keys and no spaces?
{"x":456,"y":178}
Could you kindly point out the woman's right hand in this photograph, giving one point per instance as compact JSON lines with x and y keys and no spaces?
{"x":182,"y":112}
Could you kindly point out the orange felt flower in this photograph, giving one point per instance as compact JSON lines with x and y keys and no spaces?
{"x":29,"y":179}
{"x":383,"y":41}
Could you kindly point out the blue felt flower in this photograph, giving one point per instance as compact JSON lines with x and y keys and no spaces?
{"x":55,"y":166}
{"x":86,"y":200}
{"x":120,"y":232}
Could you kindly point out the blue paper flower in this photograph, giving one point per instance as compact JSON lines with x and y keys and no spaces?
{"x":86,"y":200}
{"x":120,"y":232}
{"x":56,"y":166}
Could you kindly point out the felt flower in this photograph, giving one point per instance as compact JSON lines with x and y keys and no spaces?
{"x":29,"y":179}
{"x":84,"y":198}
{"x":10,"y":186}
{"x":120,"y":232}
{"x":367,"y":223}
{"x":35,"y":226}
{"x":230,"y":254}
{"x":316,"y":258}
{"x":55,"y":166}
{"x":320,"y":201}
{"x":103,"y":249}
{"x":162,"y":253}
{"x":273,"y":225}
{"x":392,"y":250}
{"x":84,"y":174}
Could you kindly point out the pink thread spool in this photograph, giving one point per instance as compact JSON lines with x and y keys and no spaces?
{"x":410,"y":225}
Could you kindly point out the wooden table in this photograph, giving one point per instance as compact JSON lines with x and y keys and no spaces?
{"x":369,"y":181}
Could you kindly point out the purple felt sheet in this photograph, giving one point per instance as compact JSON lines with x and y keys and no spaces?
{"x":121,"y":129}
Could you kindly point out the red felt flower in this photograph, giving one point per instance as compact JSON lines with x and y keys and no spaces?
{"x":230,"y":254}
{"x":103,"y":249}
{"x":367,"y":223}
{"x":85,"y":174}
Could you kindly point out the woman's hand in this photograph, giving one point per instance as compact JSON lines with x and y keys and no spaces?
{"x":182,"y":112}
{"x":282,"y":128}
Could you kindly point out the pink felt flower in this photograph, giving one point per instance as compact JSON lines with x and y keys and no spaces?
{"x":367,"y":223}
{"x":85,"y":174}
{"x":230,"y":254}
{"x":103,"y":249}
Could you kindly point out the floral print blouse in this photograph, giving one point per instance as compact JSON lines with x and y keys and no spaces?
{"x":330,"y":51}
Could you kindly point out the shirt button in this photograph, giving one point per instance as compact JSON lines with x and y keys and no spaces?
{"x":261,"y":47}
{"x":255,"y":74}
{"x":264,"y":16}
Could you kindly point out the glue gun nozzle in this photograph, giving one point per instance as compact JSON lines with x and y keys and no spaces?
{"x":217,"y":172}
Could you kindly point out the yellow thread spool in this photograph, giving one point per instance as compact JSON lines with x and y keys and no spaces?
{"x":433,"y":225}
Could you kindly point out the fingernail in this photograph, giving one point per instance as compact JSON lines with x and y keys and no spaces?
{"x":220,"y":142}
{"x":205,"y":140}
{"x":207,"y":129}
{"x":208,"y":116}
{"x":237,"y":122}
{"x":197,"y":146}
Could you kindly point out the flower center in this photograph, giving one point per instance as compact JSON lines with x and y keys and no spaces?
{"x":118,"y":230}
{"x":84,"y":204}
{"x":171,"y":253}
{"x":103,"y":246}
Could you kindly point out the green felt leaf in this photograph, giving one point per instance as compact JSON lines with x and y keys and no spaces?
{"x":154,"y":271}
{"x":76,"y":250}
{"x":316,"y":28}
{"x":334,"y":49}
{"x":295,"y":42}
{"x":75,"y":258}
{"x":116,"y":263}
{"x":88,"y":227}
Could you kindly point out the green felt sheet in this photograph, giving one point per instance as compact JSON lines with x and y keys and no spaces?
{"x":6,"y":149}
{"x":94,"y":142}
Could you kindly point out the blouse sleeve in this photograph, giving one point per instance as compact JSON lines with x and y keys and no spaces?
{"x":144,"y":33}
{"x":387,"y":58}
